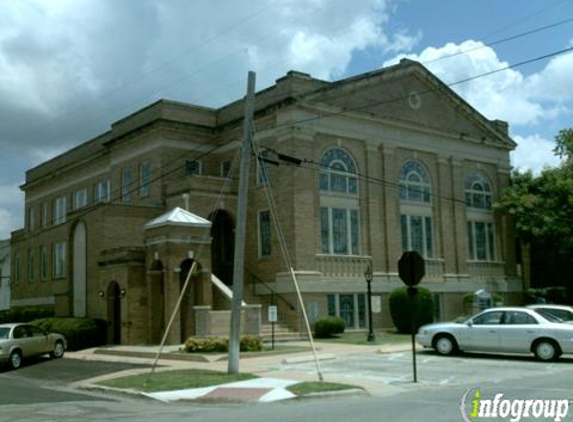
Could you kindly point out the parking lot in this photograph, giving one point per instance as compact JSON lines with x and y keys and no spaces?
{"x":395,"y":369}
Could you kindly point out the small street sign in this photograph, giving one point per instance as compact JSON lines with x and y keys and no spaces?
{"x":273,"y":314}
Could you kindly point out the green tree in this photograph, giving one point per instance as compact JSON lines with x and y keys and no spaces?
{"x":542,"y":210}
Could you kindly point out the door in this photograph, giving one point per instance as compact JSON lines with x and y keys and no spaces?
{"x":518,"y":332}
{"x":79,"y":269}
{"x":222,"y":247}
{"x":39,"y":341}
{"x":114,"y":313}
{"x":483,"y":333}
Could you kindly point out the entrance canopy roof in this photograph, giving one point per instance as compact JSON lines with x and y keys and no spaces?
{"x":178,"y":217}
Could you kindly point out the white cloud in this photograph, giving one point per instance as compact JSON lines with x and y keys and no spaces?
{"x":534,"y":153}
{"x":11,"y":205}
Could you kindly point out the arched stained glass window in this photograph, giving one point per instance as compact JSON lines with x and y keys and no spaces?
{"x":338,"y":173}
{"x":414,"y":183}
{"x":478,"y":192}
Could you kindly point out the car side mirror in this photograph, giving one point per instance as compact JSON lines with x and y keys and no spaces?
{"x":470,"y":323}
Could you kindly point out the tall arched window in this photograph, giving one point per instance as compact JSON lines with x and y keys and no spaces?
{"x":481,"y":225}
{"x":339,"y":209}
{"x":416,"y":209}
{"x":414,"y":183}
{"x":478,"y":192}
{"x":338,"y":173}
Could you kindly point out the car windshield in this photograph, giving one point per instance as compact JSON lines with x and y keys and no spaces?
{"x":548,"y":315}
{"x":4,"y":332}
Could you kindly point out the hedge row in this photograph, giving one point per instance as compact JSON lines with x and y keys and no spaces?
{"x":328,"y":327}
{"x":221,"y":344}
{"x":81,"y":333}
{"x":25,"y":314}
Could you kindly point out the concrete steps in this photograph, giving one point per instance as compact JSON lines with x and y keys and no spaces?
{"x":282,"y":333}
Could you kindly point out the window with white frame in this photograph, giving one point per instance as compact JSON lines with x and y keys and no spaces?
{"x":43,"y":263}
{"x":31,"y":266}
{"x":417,"y":234}
{"x":44,"y":217}
{"x":126,"y":187}
{"x":416,"y":209}
{"x":478,"y":192}
{"x":480,"y":219}
{"x":80,"y":198}
{"x":144,"y":178}
{"x":338,"y":173}
{"x":103,"y":191}
{"x":351,"y":307}
{"x":59,"y":254}
{"x":264,"y":234}
{"x":414,"y":183}
{"x":60,"y":209}
{"x":339,"y":206}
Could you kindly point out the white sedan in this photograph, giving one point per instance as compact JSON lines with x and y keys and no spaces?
{"x":501,"y":330}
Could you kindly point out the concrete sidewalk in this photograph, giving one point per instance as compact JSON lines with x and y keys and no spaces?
{"x":269,"y":387}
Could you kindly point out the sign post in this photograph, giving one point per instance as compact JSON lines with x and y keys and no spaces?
{"x":273,"y":314}
{"x":411,"y":269}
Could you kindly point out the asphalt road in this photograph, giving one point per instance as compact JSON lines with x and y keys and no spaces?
{"x":436,"y":398}
{"x":45,"y":380}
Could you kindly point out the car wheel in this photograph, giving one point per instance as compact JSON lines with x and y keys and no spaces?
{"x":546,"y":350}
{"x":58,"y":351}
{"x":15,"y":359}
{"x":445,"y":345}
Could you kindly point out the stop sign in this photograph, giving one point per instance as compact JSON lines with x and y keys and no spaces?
{"x":411,"y":268}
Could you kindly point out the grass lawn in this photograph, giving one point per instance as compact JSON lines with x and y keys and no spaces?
{"x":303,"y":388}
{"x":175,"y":380}
{"x":382,"y":337}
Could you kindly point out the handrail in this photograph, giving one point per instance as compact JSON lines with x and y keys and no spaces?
{"x":270,"y":289}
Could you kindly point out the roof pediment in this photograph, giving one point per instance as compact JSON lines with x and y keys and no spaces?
{"x":178,"y":217}
{"x":409,"y":93}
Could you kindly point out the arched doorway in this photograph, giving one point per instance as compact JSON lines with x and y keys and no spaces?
{"x":157,"y":293}
{"x":114,"y":313}
{"x":222,"y":246}
{"x":79,"y":269}
{"x":185,"y":314}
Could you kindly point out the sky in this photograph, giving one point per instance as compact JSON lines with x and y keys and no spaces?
{"x":70,"y":68}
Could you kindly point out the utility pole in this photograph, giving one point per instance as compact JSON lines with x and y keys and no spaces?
{"x":240,"y":230}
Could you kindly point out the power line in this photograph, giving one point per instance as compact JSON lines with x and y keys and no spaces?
{"x":404,"y":97}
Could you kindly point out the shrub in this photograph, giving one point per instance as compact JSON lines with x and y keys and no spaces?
{"x":26,"y":314}
{"x":221,"y":345}
{"x":251,"y":344}
{"x":403,"y":306}
{"x":548,"y":294}
{"x":81,"y":333}
{"x":328,"y":327}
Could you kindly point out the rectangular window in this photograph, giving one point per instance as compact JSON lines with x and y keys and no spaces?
{"x":437,"y":306}
{"x":43,"y":263}
{"x":144,"y":178}
{"x":59,"y":259}
{"x":264,"y":234}
{"x":60,"y":210}
{"x":361,"y":311}
{"x":126,"y":185}
{"x":45,"y":215}
{"x":17,"y":267}
{"x":417,"y":234}
{"x":192,"y":168}
{"x":80,"y":198}
{"x":340,"y":231}
{"x":31,"y":266}
{"x":331,"y":305}
{"x":347,"y":309}
{"x":102,"y":191}
{"x":31,"y":218}
{"x":225,"y":169}
{"x":481,"y":241}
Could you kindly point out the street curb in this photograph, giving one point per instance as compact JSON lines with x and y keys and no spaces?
{"x":309,"y":358}
{"x":150,"y":355}
{"x":336,"y":393}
